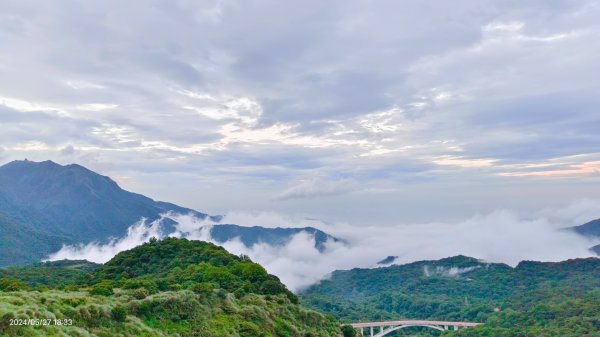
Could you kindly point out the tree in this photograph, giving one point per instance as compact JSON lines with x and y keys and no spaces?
{"x":348,"y":331}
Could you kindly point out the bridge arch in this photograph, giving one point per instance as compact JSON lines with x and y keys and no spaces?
{"x":380,"y":329}
{"x":394,"y":328}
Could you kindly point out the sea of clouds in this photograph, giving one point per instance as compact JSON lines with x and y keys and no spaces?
{"x":500,"y":236}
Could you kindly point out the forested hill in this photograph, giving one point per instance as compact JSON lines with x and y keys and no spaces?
{"x":170,"y":287}
{"x":536,"y":295}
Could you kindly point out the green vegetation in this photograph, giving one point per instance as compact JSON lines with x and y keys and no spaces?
{"x":174,"y":264}
{"x":177,"y":287}
{"x":546,"y":313}
{"x":52,"y":274}
{"x":172,"y":287}
{"x":533,"y":299}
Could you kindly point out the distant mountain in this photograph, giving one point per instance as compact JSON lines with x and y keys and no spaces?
{"x":44,"y":205}
{"x":591,"y":228}
{"x":250,"y":236}
{"x":74,"y":201}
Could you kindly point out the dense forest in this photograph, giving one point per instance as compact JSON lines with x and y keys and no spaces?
{"x":532,"y":299}
{"x":172,"y":287}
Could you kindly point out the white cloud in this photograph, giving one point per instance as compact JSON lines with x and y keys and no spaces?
{"x":100,"y":253}
{"x":500,"y":236}
{"x":314,"y":188}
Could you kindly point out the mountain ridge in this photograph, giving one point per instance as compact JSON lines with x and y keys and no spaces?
{"x":49,"y":205}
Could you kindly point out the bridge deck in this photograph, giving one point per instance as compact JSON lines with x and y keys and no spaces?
{"x":412,"y":322}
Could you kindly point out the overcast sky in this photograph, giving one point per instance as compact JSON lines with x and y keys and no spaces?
{"x":376,"y":112}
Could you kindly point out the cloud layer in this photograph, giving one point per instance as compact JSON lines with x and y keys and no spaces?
{"x":500,"y":236}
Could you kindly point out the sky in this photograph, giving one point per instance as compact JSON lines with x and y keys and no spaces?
{"x":367,"y":113}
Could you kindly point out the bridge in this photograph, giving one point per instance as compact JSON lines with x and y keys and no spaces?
{"x":380,"y":329}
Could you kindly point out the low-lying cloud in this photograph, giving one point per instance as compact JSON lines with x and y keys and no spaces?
{"x":500,"y":236}
{"x":447,"y":271}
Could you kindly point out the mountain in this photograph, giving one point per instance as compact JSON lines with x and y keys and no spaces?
{"x":171,"y":287}
{"x":72,"y":200}
{"x":544,"y":296}
{"x":250,"y":236}
{"x":44,"y":205}
{"x":590,"y":229}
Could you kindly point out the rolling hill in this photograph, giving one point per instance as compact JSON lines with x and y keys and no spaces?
{"x":171,"y":287}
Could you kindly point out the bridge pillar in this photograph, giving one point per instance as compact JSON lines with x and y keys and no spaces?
{"x":371,"y":331}
{"x":445,"y":327}
{"x":456,"y":327}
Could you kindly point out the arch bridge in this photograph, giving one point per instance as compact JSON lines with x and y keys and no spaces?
{"x":380,"y":329}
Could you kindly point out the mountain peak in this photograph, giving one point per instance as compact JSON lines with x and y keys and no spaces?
{"x":26,"y":162}
{"x":590,"y":229}
{"x":72,"y":203}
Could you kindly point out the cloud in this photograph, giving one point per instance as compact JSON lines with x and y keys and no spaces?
{"x":576,"y":169}
{"x":97,"y":252}
{"x":500,"y":236}
{"x":315,"y":188}
{"x":447,"y":271}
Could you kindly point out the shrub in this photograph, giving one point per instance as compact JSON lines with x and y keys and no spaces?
{"x":141,"y":293}
{"x":149,"y":285}
{"x":248,"y":329}
{"x":272,"y":287}
{"x":203,"y":288}
{"x":119,"y":314}
{"x":101,"y":290}
{"x":11,"y":284}
{"x":5,"y":328}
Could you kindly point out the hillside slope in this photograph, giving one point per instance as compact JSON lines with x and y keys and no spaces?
{"x":171,"y":287}
{"x":536,"y":294}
